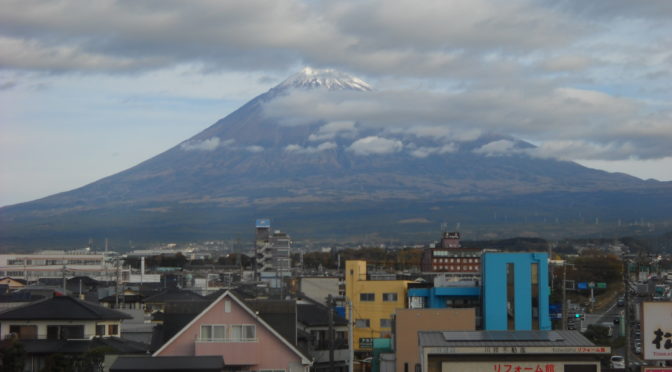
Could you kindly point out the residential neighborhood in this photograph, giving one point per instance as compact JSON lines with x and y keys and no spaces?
{"x":458,"y":308}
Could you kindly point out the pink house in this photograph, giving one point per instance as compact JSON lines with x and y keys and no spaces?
{"x":230,"y":329}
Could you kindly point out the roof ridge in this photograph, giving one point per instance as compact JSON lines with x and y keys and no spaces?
{"x":32,"y":303}
{"x":86,"y":305}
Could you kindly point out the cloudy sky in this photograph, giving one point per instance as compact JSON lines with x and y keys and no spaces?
{"x":90,"y":88}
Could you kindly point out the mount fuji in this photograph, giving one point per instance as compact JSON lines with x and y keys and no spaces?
{"x":333,"y":179}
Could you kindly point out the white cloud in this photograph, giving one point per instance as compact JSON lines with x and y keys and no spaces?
{"x":373,"y":145}
{"x":582,"y":150}
{"x":531,"y":112}
{"x":497,"y":148}
{"x":334,"y":129}
{"x":254,"y":148}
{"x":204,"y":145}
{"x":567,"y":63}
{"x":310,"y":149}
{"x":423,"y":152}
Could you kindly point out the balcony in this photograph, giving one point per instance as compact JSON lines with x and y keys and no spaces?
{"x":234,"y":353}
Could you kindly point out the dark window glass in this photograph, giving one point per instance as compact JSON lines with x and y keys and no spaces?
{"x":367,"y":296}
{"x":510,"y":296}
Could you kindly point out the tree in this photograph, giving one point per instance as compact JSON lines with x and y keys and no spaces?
{"x":599,"y":335}
{"x":58,"y":363}
{"x":92,"y":360}
{"x":13,"y":355}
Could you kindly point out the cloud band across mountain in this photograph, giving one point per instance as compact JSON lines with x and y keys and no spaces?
{"x":567,"y":123}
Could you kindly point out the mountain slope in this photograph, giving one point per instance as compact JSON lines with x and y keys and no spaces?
{"x":250,"y":164}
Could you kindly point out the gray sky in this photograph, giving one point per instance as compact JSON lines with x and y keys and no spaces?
{"x":88,"y":89}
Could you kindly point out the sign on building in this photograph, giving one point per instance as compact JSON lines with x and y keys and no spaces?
{"x":365,"y":342}
{"x":516,"y":366}
{"x":264,"y":222}
{"x":657,"y":330}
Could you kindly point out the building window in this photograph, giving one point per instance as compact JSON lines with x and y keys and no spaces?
{"x":243,"y":333}
{"x":65,"y":332}
{"x":362,"y":323}
{"x":390,"y":297}
{"x":100,"y":329}
{"x":386,"y":323}
{"x":24,"y":332}
{"x":510,"y":296}
{"x":534,"y":274}
{"x":367,"y":297}
{"x":213,"y":332}
{"x":227,"y":306}
{"x":113,"y":330}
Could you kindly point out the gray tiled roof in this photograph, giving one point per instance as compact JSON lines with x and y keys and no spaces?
{"x":113,"y":344}
{"x":502,"y":338}
{"x":62,"y":308}
{"x":317,"y":315}
{"x":170,"y":363}
{"x":173,"y":294}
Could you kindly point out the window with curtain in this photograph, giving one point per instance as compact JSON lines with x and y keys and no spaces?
{"x":243,"y":333}
{"x":213,"y":332}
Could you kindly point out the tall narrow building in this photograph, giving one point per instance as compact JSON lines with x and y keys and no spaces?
{"x":272,"y":252}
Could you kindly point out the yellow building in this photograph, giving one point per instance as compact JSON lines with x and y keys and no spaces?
{"x":374,"y":303}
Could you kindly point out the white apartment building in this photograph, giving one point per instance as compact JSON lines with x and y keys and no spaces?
{"x":56,"y":264}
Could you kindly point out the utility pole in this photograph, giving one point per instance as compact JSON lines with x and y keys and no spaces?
{"x":626,"y":283}
{"x":330,"y":303}
{"x":351,"y":337}
{"x":564,"y":296}
{"x":116,"y":287}
{"x":65,"y":289}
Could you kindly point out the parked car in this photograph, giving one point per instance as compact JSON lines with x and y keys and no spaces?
{"x":620,"y":302}
{"x":617,"y":362}
{"x":638,"y":348}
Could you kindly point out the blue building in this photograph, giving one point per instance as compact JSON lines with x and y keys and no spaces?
{"x":515,"y":291}
{"x":443,"y":294}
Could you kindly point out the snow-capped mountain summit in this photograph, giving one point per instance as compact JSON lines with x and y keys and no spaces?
{"x":324,"y":78}
{"x":333,"y":179}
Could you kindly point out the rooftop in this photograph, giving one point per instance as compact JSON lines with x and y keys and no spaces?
{"x":503,"y":338}
{"x":62,"y":308}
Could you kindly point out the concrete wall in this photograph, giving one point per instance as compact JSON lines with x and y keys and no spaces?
{"x":410,"y":321}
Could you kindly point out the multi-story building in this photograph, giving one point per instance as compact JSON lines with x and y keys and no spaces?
{"x":512,"y":293}
{"x":448,"y":256}
{"x":57,"y":264}
{"x":443,"y":293}
{"x":272,"y":252}
{"x":501,"y":351}
{"x":409,"y":322}
{"x":374,"y":300}
{"x":515,"y":291}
